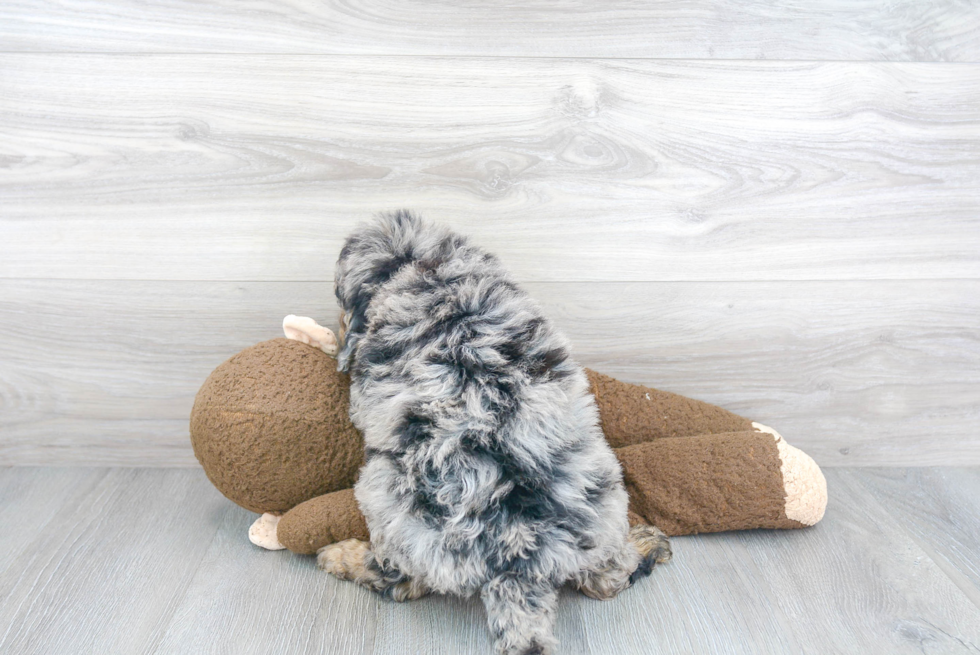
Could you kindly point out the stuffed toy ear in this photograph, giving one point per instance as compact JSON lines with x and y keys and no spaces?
{"x":305,"y":329}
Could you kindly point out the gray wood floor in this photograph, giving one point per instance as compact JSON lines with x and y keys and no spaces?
{"x":96,"y":560}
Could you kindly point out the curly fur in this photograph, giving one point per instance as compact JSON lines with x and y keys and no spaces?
{"x":486,"y":471}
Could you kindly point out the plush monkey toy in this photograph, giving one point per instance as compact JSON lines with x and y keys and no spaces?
{"x":270,"y":426}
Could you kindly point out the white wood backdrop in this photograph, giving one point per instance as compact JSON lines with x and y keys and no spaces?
{"x":773,"y":209}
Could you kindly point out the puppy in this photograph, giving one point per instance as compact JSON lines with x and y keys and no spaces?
{"x":486,"y":470}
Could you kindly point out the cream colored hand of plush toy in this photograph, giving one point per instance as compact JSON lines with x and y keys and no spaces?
{"x":263,"y":532}
{"x":305,"y":329}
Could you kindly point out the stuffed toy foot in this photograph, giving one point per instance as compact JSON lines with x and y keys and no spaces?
{"x":270,"y":427}
{"x":262,"y":533}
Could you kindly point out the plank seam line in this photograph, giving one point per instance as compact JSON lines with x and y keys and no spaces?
{"x":381,"y":55}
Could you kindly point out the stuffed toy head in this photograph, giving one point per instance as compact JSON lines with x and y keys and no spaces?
{"x":270,"y":427}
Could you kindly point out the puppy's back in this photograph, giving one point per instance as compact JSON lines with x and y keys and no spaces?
{"x":486,"y":469}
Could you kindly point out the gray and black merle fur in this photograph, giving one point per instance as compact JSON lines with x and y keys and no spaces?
{"x":485,"y":470}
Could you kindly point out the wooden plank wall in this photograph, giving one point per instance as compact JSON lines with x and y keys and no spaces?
{"x":773,"y":209}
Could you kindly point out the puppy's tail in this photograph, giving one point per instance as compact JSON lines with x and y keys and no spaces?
{"x":521,"y":615}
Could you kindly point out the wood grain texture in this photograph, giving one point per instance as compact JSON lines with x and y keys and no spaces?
{"x":855,"y":373}
{"x":676,"y":609}
{"x":940,"y":509}
{"x":916,"y":30}
{"x":243,"y":599}
{"x":182,"y":577}
{"x":106,"y":573}
{"x":888,"y":595}
{"x":30,"y":498}
{"x":255,"y":167}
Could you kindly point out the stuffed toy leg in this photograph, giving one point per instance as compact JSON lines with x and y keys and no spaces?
{"x":270,"y":427}
{"x":693,"y":467}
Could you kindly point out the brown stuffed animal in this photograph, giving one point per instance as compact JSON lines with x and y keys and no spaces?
{"x":270,"y":427}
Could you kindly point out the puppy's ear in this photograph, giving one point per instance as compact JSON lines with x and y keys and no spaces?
{"x":351,"y":329}
{"x":354,"y":322}
{"x":344,"y":321}
{"x":346,"y":355}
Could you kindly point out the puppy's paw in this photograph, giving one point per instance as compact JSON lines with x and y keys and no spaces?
{"x":651,"y":543}
{"x":408,"y":589}
{"x":345,"y":560}
{"x":353,"y":560}
{"x":533,"y":648}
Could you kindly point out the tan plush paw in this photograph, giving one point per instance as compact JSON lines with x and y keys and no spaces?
{"x":803,"y":481}
{"x":263,"y":532}
{"x":308,"y":331}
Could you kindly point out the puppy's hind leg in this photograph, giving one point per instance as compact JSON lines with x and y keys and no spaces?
{"x":652,"y":545}
{"x":521,"y":615}
{"x":353,"y":560}
{"x":645,"y":547}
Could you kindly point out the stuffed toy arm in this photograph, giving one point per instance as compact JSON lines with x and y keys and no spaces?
{"x":311,"y":525}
